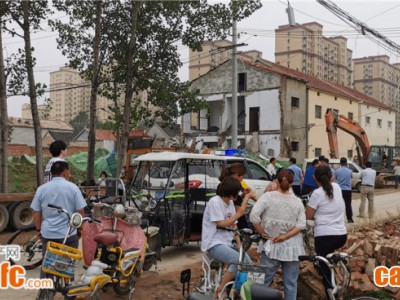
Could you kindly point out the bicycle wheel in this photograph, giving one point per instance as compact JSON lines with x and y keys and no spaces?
{"x":30,"y":247}
{"x":45,"y":294}
{"x":124,"y":289}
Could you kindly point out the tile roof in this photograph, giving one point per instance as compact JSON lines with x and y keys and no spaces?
{"x":62,"y":135}
{"x":46,"y":124}
{"x":105,"y":135}
{"x":137,"y":133}
{"x":318,"y":84}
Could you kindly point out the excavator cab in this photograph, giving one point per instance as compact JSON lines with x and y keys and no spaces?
{"x":383,"y":157}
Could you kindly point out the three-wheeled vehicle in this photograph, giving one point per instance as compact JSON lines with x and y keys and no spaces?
{"x":178,"y":186}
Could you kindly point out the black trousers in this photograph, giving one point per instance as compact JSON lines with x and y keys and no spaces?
{"x":307,"y":189}
{"x":296,"y":190}
{"x":325,"y":245}
{"x":347,"y":201}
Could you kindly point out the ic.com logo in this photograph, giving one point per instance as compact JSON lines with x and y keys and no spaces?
{"x":15,"y":276}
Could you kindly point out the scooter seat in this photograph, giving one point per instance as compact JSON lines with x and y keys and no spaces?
{"x":261,"y":292}
{"x":106,"y":238}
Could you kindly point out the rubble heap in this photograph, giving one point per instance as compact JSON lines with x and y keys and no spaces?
{"x":369,"y":247}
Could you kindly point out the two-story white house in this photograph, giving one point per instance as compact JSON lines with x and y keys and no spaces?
{"x":284,"y":109}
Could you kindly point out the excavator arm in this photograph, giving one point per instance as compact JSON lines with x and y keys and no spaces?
{"x":334,"y":121}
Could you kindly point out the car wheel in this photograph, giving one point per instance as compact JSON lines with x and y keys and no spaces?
{"x":358,"y":187}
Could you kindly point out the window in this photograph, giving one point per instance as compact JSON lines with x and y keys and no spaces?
{"x":294,"y":146}
{"x":257,"y":172}
{"x":295,"y":102}
{"x":390,"y":124}
{"x":350,"y":115}
{"x":242,"y":82}
{"x":318,"y":112}
{"x":379,"y":123}
{"x":254,"y":120}
{"x":367,"y":120}
{"x":194,"y":120}
{"x":350,"y":154}
{"x":317,"y":152}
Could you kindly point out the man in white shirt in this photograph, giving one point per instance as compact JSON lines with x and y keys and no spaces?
{"x":58,"y":150}
{"x":396,"y":170}
{"x":271,"y":167}
{"x":368,"y":177}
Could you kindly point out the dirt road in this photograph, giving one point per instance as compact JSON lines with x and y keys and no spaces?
{"x":166,"y":285}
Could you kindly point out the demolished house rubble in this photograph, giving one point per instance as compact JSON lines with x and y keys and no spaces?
{"x":368,"y":247}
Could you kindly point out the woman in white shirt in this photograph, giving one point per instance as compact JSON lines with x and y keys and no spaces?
{"x":326,"y":207}
{"x":280,"y":216}
{"x":220,"y":211}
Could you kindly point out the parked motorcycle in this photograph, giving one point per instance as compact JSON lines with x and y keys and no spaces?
{"x":115,"y":251}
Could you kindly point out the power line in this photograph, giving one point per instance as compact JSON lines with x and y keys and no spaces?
{"x":360,"y":26}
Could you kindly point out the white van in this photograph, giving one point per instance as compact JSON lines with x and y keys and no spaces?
{"x":335,"y":164}
{"x":202,"y":170}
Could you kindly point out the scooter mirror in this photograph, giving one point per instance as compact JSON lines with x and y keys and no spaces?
{"x":76,"y":220}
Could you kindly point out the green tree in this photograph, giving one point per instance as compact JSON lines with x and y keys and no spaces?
{"x":83,"y":41}
{"x":79,"y":122}
{"x":139,"y":52}
{"x":155,"y":90}
{"x":27,"y":16}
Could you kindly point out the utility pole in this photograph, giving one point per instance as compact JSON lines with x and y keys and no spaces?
{"x":234,"y":130}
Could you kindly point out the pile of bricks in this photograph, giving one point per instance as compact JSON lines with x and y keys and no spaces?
{"x":369,"y":247}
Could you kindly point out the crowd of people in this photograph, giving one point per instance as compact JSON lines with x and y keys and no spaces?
{"x":280,"y":215}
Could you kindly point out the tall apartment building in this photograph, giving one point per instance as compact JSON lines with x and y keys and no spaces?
{"x":70,"y":94}
{"x":213,"y":54}
{"x":303,"y":47}
{"x":377,"y":78}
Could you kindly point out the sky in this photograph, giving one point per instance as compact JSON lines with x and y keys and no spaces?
{"x":257,"y":31}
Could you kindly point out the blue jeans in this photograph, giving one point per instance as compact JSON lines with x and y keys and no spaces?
{"x":227,"y":255}
{"x":290,"y":270}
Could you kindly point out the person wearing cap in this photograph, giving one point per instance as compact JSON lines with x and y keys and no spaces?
{"x":298,"y":176}
{"x":343,"y":177}
{"x":368,"y":177}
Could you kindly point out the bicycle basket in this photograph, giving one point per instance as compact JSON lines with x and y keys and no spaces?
{"x":250,"y":271}
{"x":60,"y":260}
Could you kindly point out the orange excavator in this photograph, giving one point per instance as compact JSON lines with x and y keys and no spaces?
{"x":381,"y":156}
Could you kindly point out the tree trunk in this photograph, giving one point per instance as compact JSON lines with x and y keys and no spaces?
{"x":3,"y":117}
{"x":135,"y":6}
{"x":93,"y":92}
{"x":33,"y":94}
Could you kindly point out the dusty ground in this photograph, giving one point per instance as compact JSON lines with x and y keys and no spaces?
{"x":166,"y":283}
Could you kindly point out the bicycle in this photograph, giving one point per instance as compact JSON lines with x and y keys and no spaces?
{"x":249,"y":280}
{"x":334,"y":261}
{"x":31,"y":246}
